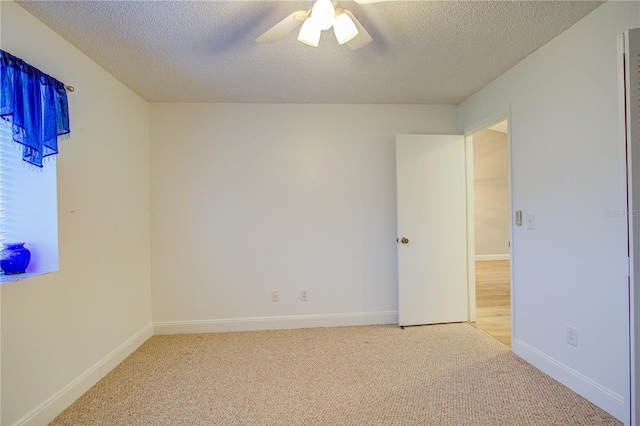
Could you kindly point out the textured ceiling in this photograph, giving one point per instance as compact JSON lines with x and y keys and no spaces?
{"x":423,"y":52}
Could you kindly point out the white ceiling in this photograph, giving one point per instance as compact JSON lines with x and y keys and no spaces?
{"x":423,"y":52}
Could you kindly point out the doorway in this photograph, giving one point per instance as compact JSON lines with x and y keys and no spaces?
{"x":491,"y":231}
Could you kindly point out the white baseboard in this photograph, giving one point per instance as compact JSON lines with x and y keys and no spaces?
{"x":487,"y":257}
{"x":274,"y":323}
{"x":599,"y":395}
{"x":49,"y":409}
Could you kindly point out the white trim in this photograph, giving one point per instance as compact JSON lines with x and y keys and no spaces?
{"x":275,"y":323}
{"x":599,"y":395}
{"x":471,"y":230}
{"x":512,"y":231}
{"x":488,"y":122}
{"x":57,"y":403}
{"x":488,"y":257}
{"x":628,"y":44}
{"x":626,"y":158}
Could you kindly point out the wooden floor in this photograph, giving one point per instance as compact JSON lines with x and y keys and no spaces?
{"x":493,"y":300}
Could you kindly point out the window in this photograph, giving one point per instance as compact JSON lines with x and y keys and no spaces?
{"x":28,"y":206}
{"x":36,"y":106}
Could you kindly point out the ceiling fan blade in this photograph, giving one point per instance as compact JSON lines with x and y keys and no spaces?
{"x":363,"y":38}
{"x":284,"y":27}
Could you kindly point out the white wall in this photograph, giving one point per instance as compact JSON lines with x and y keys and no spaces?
{"x":86,"y":317}
{"x":568,"y":170}
{"x":491,"y":193}
{"x":250,"y":198}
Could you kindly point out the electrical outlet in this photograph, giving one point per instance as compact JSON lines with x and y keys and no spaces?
{"x":304,"y":294}
{"x":275,"y":295}
{"x":572,"y":335}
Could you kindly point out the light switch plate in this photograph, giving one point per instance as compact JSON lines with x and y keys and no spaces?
{"x":531,"y":221}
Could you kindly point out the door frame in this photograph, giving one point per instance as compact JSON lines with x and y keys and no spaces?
{"x":630,"y":156}
{"x":471,"y":261}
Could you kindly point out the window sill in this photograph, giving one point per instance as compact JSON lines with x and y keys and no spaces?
{"x":17,"y":277}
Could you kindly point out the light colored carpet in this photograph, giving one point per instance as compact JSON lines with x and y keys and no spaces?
{"x":450,"y":374}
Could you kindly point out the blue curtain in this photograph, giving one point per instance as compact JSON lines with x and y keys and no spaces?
{"x":36,"y":106}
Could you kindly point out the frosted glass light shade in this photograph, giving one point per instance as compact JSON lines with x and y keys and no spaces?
{"x":324,"y":13}
{"x":310,"y":32}
{"x":344,"y":28}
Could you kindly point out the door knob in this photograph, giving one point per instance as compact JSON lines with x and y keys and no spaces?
{"x":403,"y":240}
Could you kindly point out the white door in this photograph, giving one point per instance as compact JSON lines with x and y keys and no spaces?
{"x":432,"y":229}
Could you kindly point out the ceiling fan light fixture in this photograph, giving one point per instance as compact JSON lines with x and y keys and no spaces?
{"x":324,"y":13}
{"x":310,"y":32}
{"x":344,"y":28}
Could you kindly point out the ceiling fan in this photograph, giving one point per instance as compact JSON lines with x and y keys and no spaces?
{"x":322,"y":15}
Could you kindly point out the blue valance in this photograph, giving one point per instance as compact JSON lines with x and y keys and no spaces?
{"x":36,"y":106}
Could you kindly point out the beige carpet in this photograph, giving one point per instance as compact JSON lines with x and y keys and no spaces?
{"x":449,"y":374}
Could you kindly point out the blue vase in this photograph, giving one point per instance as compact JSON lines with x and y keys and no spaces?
{"x":14,"y":258}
